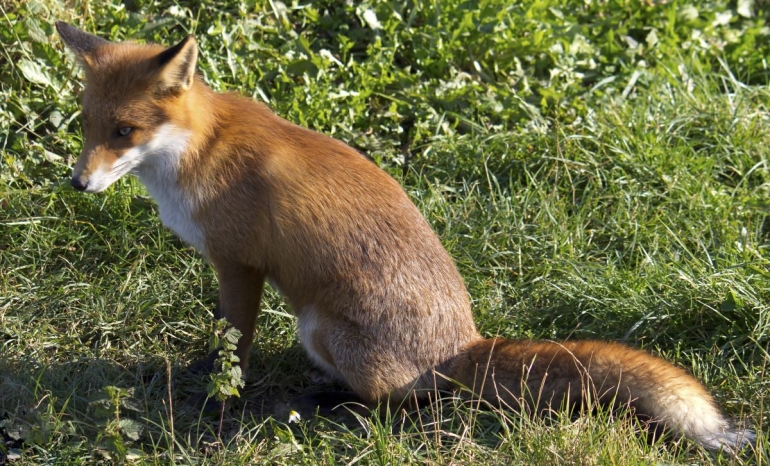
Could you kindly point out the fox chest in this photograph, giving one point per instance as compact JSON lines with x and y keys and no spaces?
{"x":178,"y":218}
{"x":176,"y":209}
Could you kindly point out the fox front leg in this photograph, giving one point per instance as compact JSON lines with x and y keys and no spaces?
{"x":240,"y":291}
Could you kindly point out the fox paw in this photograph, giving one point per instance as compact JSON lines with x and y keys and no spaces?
{"x":320,"y":377}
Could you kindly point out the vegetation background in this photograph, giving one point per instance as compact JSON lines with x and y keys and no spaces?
{"x":597,"y":168}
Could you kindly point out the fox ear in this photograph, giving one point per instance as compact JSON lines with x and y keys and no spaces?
{"x":81,"y":43}
{"x":177,"y":66}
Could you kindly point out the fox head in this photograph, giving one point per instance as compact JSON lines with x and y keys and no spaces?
{"x":135,"y":106}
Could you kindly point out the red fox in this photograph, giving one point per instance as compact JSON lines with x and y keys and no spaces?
{"x":380,"y":305}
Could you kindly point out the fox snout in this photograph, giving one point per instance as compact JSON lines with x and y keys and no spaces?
{"x":97,"y":174}
{"x":79,"y":183}
{"x":94,"y":171}
{"x":87,"y":172}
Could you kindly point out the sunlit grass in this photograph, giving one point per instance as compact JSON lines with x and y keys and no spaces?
{"x":578,"y":204}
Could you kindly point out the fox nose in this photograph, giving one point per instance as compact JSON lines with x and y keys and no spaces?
{"x":78,"y":184}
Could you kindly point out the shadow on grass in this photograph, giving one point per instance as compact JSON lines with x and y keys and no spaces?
{"x":145,"y":404}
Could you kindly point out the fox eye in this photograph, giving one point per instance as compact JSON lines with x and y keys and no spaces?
{"x":125,"y":131}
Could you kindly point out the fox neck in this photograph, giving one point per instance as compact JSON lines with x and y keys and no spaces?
{"x":162,"y":173}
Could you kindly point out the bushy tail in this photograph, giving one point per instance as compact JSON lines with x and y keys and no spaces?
{"x":539,"y":376}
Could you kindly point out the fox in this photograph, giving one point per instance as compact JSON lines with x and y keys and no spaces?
{"x":380,"y":306}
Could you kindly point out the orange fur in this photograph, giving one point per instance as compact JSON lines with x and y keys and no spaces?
{"x":379,"y":302}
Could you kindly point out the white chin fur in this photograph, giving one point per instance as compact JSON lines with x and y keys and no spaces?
{"x":101,"y":179}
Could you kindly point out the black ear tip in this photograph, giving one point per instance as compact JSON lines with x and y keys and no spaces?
{"x":62,"y":27}
{"x":67,"y":30}
{"x":80,"y":42}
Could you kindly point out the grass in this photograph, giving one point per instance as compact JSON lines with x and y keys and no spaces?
{"x":596,"y":169}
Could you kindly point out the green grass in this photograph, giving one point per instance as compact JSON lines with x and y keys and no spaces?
{"x":596,"y":169}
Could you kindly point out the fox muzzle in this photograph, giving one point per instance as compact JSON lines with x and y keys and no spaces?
{"x":78,"y":183}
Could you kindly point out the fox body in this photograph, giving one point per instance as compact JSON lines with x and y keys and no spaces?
{"x":379,"y":302}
